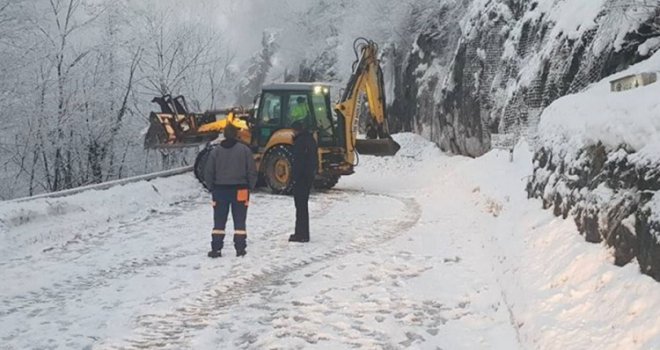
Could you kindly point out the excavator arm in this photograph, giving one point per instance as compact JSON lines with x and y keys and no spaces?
{"x":367,"y":79}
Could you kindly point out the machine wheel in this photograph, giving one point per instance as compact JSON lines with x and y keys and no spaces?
{"x":200,"y":163}
{"x":326,"y":182}
{"x":278,"y":170}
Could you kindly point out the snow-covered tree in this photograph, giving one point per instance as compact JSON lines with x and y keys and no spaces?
{"x":257,"y":70}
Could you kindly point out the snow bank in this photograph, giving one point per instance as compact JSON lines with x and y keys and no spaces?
{"x":17,"y":219}
{"x":613,"y":118}
{"x":561,"y":292}
{"x":599,"y":161}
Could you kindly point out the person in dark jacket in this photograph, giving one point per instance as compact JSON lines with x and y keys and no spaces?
{"x":230,"y":174}
{"x":305,"y":166}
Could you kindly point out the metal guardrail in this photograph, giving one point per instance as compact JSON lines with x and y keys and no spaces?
{"x":105,"y":185}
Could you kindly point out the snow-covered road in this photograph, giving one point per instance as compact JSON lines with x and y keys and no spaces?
{"x":419,"y":251}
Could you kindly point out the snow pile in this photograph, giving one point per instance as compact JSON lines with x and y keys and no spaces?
{"x":65,"y":219}
{"x":630,"y":118}
{"x":415,"y":150}
{"x":561,"y":292}
{"x":599,"y":161}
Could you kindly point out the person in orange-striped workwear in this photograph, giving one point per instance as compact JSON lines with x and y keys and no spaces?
{"x":230,"y":174}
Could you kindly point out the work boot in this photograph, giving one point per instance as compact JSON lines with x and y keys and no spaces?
{"x":240,"y":244}
{"x":297,"y":238}
{"x":217,"y":242}
{"x":214,"y":254}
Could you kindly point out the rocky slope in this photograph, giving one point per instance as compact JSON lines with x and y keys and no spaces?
{"x":482,"y":67}
{"x":610,"y":194}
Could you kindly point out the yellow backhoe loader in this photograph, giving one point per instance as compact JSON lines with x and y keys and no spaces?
{"x":266,"y":128}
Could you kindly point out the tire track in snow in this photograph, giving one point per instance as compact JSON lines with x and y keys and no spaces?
{"x":175,"y":329}
{"x":81,"y":244}
{"x":48,"y":298}
{"x":308,"y":320}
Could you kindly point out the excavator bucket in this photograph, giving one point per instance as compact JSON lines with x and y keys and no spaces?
{"x":377,"y":147}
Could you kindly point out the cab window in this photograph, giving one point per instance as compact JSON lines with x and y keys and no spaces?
{"x":271,"y":108}
{"x":323,"y":117}
{"x":269,"y":117}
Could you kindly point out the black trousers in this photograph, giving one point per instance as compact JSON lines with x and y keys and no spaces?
{"x":224,"y":199}
{"x":301,"y":198}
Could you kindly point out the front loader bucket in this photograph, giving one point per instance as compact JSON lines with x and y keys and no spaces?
{"x":158,"y":134}
{"x":377,"y":147}
{"x":167,"y":132}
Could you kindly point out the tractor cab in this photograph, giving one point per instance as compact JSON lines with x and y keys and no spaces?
{"x":280,"y":106}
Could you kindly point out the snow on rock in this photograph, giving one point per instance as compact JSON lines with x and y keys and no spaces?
{"x":502,"y":62}
{"x":628,"y":118}
{"x":599,"y":161}
{"x":653,"y":210}
{"x":572,"y":18}
{"x":649,"y":46}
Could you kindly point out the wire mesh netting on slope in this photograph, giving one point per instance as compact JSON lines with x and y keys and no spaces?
{"x":551,"y":67}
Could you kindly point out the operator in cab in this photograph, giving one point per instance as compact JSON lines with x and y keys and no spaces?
{"x":300,"y":111}
{"x":230,"y":174}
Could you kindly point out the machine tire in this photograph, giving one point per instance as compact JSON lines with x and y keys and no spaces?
{"x":278,"y":169}
{"x":326,"y":182}
{"x":200,"y":163}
